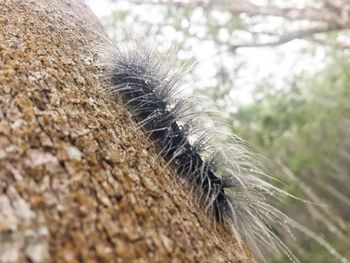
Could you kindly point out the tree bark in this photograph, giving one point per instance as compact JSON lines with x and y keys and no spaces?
{"x":78,"y":183}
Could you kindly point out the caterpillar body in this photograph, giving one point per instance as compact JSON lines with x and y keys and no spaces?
{"x":145,"y":88}
{"x":222,"y":172}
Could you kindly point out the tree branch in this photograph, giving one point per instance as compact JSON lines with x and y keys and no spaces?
{"x":333,"y":17}
{"x":239,"y":7}
{"x":288,"y":37}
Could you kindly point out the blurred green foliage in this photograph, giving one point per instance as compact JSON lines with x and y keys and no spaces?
{"x":306,"y":129}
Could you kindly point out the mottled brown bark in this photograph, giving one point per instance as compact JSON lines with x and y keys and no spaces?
{"x":77,"y":182}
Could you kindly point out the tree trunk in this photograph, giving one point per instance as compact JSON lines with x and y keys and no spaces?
{"x":77,"y":182}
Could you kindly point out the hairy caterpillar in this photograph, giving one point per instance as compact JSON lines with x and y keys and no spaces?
{"x":224,"y":176}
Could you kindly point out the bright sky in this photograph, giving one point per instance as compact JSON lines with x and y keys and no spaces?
{"x":259,"y":63}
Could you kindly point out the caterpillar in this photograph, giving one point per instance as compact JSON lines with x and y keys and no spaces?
{"x":223,"y":174}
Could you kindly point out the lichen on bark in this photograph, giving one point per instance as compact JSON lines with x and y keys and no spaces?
{"x":78,"y":183}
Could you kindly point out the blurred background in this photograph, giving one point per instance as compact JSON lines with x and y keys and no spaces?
{"x":280,"y":71}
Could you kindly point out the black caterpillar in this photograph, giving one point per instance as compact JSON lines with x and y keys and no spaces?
{"x":223,"y":174}
{"x":162,"y":127}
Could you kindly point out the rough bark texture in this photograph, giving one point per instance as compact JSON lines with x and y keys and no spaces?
{"x":77,"y":182}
